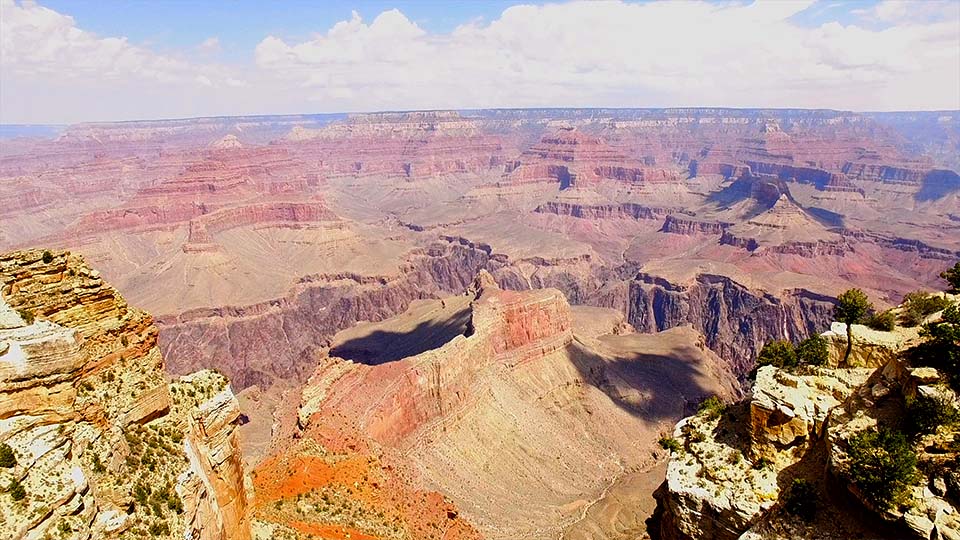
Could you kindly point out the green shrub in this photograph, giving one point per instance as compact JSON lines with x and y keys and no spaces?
{"x":47,"y":257}
{"x":670,"y":444}
{"x":884,"y":321}
{"x":7,"y":458}
{"x":762,"y":463}
{"x":926,"y":413}
{"x":813,"y":351}
{"x":952,"y":275}
{"x":26,"y":315}
{"x":159,"y":529}
{"x":16,"y":490}
{"x":98,"y":466}
{"x":919,"y":305}
{"x":852,"y":306}
{"x":883,"y":465}
{"x":141,"y":493}
{"x":801,"y":500}
{"x":711,"y":408}
{"x":779,"y":353}
{"x":942,"y":348}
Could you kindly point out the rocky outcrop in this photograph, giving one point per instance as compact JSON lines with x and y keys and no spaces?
{"x":605,"y":211}
{"x":202,"y":229}
{"x":256,"y":344}
{"x":520,"y":377}
{"x":737,"y":321}
{"x":872,"y":348}
{"x":687,"y":227}
{"x":213,"y":487}
{"x":411,"y":145}
{"x":726,"y":478}
{"x":573,"y":158}
{"x":923,"y":249}
{"x":795,"y":425}
{"x":100,"y":439}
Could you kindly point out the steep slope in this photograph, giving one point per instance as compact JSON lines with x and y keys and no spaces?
{"x":522,"y":422}
{"x":735,"y":472}
{"x":103,"y":445}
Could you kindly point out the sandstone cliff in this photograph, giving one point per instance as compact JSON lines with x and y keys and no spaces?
{"x":103,"y":446}
{"x":569,"y":413}
{"x":735,"y":470}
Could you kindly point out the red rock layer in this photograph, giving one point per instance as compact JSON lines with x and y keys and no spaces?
{"x":605,"y":211}
{"x":685,"y":226}
{"x":573,"y":158}
{"x":404,"y":145}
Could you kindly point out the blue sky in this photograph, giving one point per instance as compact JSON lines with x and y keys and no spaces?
{"x":72,"y":60}
{"x":240,"y":25}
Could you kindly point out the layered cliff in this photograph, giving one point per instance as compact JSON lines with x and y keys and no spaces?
{"x":102,"y":445}
{"x":569,"y":413}
{"x":795,"y":460}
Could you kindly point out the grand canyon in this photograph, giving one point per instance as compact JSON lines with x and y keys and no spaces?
{"x":614,"y":270}
{"x":442,"y":324}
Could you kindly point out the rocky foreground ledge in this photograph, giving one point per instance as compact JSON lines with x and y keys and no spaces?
{"x":734,"y":470}
{"x":94,"y":441}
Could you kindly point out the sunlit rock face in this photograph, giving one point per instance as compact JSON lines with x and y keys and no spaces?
{"x":731,"y":472}
{"x":103,"y":444}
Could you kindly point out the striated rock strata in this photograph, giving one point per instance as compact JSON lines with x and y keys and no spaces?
{"x":104,"y":446}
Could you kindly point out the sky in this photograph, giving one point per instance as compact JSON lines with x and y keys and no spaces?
{"x":66,"y":61}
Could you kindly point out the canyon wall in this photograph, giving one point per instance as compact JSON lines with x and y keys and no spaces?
{"x":257,"y":344}
{"x":103,"y":446}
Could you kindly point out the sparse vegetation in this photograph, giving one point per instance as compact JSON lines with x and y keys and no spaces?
{"x":926,"y":413}
{"x":7,"y":458}
{"x":882,"y":465}
{"x":852,"y":306}
{"x":97,"y":464}
{"x":813,"y":351}
{"x":670,"y":444}
{"x":919,"y":305}
{"x":711,"y":408}
{"x":26,"y":315}
{"x":801,"y":499}
{"x":952,"y":275}
{"x":762,"y":463}
{"x":884,"y":321}
{"x":942,"y":348}
{"x":779,"y":354}
{"x":16,"y":490}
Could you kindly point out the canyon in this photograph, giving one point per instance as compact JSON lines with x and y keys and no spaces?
{"x":396,"y":298}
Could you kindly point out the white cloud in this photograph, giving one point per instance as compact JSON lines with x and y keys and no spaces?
{"x":48,"y":63}
{"x":907,"y":11}
{"x":660,"y":53}
{"x":618,"y":54}
{"x":211,"y":45}
{"x":35,"y":40}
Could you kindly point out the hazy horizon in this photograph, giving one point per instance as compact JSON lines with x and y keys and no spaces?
{"x":69,"y":62}
{"x":405,"y":111}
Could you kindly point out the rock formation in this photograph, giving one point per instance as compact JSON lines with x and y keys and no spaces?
{"x":734,"y":470}
{"x":103,"y":446}
{"x":518,"y":377}
{"x":574,"y":159}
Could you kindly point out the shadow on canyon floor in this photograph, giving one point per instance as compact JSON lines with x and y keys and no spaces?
{"x":382,"y":346}
{"x":655,"y":387}
{"x":937,"y":184}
